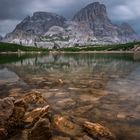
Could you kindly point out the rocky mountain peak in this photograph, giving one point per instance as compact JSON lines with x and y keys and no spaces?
{"x":95,"y":15}
{"x":45,"y":16}
{"x":127,"y":28}
{"x":127,"y":32}
{"x":40,"y":23}
{"x":97,"y":8}
{"x":91,"y":25}
{"x":93,"y":11}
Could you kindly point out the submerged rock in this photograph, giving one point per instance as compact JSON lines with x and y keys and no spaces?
{"x":6,"y":109}
{"x":3,"y":133}
{"x":121,"y":116}
{"x":33,"y":116}
{"x":61,"y":138}
{"x":34,"y":98}
{"x":13,"y":113}
{"x":31,"y":100}
{"x":21,"y":106}
{"x":85,"y":137}
{"x":98,"y":131}
{"x":41,"y":130}
{"x":29,"y":118}
{"x":64,"y":125}
{"x":22,"y":135}
{"x":16,"y":119}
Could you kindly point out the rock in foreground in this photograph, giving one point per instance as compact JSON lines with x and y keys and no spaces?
{"x":98,"y":131}
{"x":41,"y":130}
{"x":25,"y":119}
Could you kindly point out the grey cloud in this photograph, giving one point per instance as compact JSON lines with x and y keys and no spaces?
{"x":7,"y":26}
{"x":13,"y":9}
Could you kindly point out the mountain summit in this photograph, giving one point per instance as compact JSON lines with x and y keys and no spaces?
{"x":40,"y":23}
{"x":95,"y":15}
{"x":91,"y":25}
{"x":92,"y":12}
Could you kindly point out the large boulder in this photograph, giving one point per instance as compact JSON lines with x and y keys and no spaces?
{"x":41,"y":130}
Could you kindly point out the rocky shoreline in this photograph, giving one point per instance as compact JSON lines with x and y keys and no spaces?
{"x":30,"y":117}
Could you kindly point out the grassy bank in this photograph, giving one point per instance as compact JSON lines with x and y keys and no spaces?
{"x":117,"y":47}
{"x":6,"y":47}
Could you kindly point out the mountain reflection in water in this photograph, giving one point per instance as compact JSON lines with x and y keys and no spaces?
{"x":98,"y":87}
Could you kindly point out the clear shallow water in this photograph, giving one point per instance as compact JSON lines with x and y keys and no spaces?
{"x":102,"y":88}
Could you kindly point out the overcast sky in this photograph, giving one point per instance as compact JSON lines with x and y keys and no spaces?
{"x":13,"y":11}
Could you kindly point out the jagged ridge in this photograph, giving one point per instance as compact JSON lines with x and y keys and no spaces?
{"x":40,"y":23}
{"x":96,"y":16}
{"x":91,"y":25}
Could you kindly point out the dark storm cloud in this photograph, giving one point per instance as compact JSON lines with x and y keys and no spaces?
{"x":13,"y":11}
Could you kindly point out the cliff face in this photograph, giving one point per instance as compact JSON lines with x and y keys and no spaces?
{"x":21,"y":37}
{"x":40,"y":23}
{"x":91,"y":25}
{"x":96,"y":16}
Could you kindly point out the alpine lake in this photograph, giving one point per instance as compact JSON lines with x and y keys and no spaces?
{"x":102,"y":88}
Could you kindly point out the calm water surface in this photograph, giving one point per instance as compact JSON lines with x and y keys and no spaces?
{"x":102,"y":88}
